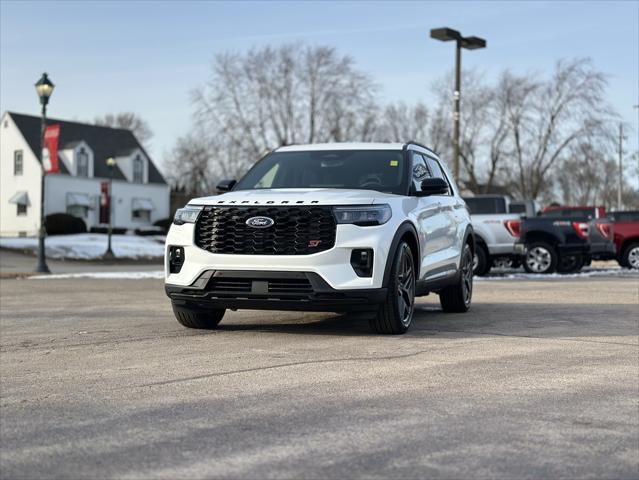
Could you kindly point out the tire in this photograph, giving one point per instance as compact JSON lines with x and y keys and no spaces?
{"x":482,"y":262}
{"x":630,"y":256}
{"x":396,"y":313}
{"x":540,"y":257}
{"x":203,"y":319}
{"x":457,"y":298}
{"x":570,"y":264}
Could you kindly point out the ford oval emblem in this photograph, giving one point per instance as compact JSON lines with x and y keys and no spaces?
{"x":260,"y":222}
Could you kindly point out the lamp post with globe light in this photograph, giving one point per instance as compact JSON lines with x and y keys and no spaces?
{"x":44,"y":88}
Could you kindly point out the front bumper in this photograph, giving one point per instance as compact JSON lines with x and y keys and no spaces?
{"x":331,"y":265}
{"x":271,"y":290}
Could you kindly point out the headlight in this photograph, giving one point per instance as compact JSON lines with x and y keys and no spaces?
{"x":186,"y":215}
{"x":364,"y":216}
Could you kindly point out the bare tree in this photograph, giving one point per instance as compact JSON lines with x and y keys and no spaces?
{"x":402,"y":122}
{"x":546,"y":117}
{"x":291,"y":94}
{"x":130,"y":121}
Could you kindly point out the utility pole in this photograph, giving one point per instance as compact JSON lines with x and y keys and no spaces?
{"x":620,"y":185}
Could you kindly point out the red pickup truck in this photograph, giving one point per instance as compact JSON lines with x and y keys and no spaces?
{"x":625,"y":227}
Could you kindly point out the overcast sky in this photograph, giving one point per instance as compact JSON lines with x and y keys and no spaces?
{"x":147,"y":56}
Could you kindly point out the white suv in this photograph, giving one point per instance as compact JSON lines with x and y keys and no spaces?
{"x":327,"y":227}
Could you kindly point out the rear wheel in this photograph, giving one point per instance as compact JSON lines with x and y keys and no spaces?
{"x":396,"y":313}
{"x":191,"y":318}
{"x":630,"y":256}
{"x":457,"y":298}
{"x":481,"y":262}
{"x":570,"y":264}
{"x":540,"y":258}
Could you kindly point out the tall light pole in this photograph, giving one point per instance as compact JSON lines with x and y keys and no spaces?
{"x":44,"y":87}
{"x":109,"y":255}
{"x":469,"y":43}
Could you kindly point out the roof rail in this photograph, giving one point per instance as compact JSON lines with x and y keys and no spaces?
{"x":412,"y":142}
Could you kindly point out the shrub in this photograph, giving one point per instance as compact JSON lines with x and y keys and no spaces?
{"x":165,"y":224}
{"x":149,"y":231}
{"x":64,"y":224}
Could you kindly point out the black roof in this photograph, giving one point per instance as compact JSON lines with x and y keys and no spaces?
{"x":104,"y":141}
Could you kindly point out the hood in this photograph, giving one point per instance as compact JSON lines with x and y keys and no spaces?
{"x":296,"y":196}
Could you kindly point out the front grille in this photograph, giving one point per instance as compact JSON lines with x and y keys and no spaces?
{"x":236,"y":285}
{"x":294,"y":285}
{"x":260,"y":286}
{"x":296,"y":230}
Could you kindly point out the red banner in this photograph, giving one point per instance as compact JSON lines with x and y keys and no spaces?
{"x":104,"y":194}
{"x":50,"y":152}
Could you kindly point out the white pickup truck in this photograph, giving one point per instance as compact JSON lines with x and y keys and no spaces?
{"x":496,"y":230}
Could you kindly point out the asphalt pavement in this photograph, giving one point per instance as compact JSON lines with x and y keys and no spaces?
{"x":539,"y":380}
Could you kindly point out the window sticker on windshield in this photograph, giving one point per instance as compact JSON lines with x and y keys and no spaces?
{"x":394,"y":163}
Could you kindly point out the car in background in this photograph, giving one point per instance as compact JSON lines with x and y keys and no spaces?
{"x":558,"y":239}
{"x":496,"y":231}
{"x":626,"y":237}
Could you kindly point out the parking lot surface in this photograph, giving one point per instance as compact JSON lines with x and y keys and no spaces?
{"x":539,"y":380}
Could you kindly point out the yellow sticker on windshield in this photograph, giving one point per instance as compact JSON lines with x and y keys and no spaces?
{"x":394,"y":163}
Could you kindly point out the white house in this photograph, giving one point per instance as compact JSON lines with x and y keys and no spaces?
{"x":140,"y":193}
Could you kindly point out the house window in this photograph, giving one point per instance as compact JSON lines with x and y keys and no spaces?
{"x":22,"y":210}
{"x":78,"y":210}
{"x":138,"y":169}
{"x":17,"y":162}
{"x":142,"y":215}
{"x":83,"y":163}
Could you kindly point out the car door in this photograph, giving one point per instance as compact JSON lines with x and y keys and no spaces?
{"x":453,"y":212}
{"x":427,"y":216}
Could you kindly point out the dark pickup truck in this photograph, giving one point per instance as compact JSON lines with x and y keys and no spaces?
{"x":560,"y":239}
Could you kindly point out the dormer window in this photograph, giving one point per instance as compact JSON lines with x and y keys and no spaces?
{"x":138,"y":169}
{"x":82,"y":169}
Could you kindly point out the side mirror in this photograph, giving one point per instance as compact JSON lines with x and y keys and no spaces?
{"x":433,"y":186}
{"x":226,"y":185}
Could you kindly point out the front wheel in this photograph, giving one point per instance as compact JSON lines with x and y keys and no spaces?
{"x":191,"y":318}
{"x":396,"y":313}
{"x":457,"y":298}
{"x":540,"y":258}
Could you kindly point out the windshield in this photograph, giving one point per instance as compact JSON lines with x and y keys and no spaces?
{"x":381,"y":170}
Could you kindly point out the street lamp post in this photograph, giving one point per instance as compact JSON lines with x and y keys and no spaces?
{"x":109,"y":255}
{"x":44,"y":87}
{"x":469,"y":43}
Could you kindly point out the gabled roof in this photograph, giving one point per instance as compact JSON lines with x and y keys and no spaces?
{"x":104,"y":141}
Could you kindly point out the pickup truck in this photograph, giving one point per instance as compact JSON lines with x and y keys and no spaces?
{"x":496,"y":231}
{"x":558,"y":239}
{"x":626,"y":237}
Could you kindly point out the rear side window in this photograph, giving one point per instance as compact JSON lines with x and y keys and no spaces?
{"x":485,"y":205}
{"x":517,"y":208}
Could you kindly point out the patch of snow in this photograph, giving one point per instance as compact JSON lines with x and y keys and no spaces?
{"x":159,"y":274}
{"x":586,"y":273}
{"x":91,"y":246}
